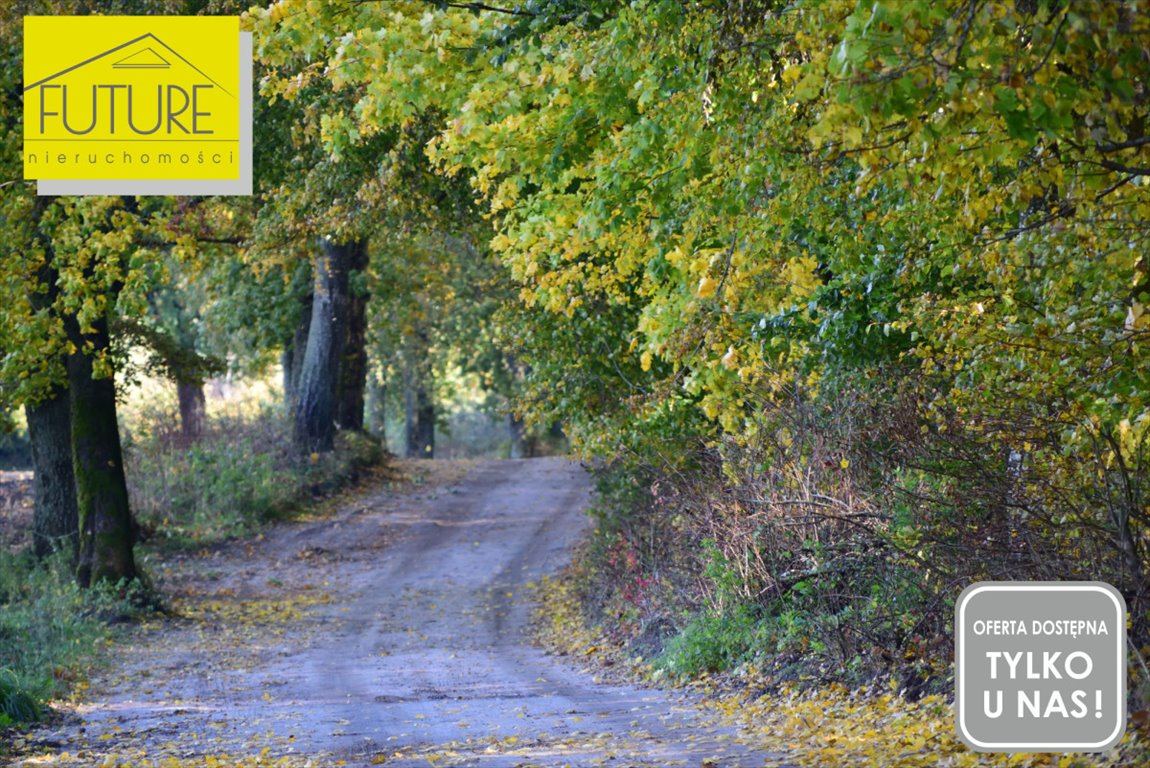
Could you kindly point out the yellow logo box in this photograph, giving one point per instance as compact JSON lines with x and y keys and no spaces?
{"x":131,"y":97}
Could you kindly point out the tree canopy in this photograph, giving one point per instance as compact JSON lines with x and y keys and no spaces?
{"x":669,"y":224}
{"x":714,"y":214}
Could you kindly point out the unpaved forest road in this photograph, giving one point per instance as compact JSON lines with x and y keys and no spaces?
{"x":413,"y":649}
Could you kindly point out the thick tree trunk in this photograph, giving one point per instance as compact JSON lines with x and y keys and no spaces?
{"x":420,"y":421}
{"x":55,"y":523}
{"x":353,"y":362}
{"x":418,"y":404}
{"x":295,"y":351}
{"x":193,"y":409}
{"x":314,"y":427}
{"x":105,"y":519}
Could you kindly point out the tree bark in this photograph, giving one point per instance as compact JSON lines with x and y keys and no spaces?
{"x":105,"y":518}
{"x":353,"y":362}
{"x":193,"y":409}
{"x":294,"y":353}
{"x":314,"y":423}
{"x":55,"y":522}
{"x":419,"y":407}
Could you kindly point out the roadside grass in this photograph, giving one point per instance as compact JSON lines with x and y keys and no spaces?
{"x":48,"y":629}
{"x":52,"y":632}
{"x":239,"y":476}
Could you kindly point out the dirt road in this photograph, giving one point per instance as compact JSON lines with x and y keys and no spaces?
{"x":396,"y":633}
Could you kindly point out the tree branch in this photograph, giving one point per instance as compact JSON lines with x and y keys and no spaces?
{"x":493,"y":9}
{"x":1118,"y":146}
{"x":1123,"y":168}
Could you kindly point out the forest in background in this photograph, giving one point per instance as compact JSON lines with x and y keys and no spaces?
{"x":839,"y":293}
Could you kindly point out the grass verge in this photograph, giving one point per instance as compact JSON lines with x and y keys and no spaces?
{"x":49,"y":629}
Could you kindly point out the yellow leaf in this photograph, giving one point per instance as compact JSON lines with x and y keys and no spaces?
{"x":1134,"y":316}
{"x":730,"y":360}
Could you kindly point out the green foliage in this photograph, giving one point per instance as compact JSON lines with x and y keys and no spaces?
{"x":713,"y":643}
{"x":210,"y":491}
{"x":16,"y":704}
{"x":49,"y":631}
{"x":749,"y":211}
{"x":775,"y":196}
{"x":238,"y":477}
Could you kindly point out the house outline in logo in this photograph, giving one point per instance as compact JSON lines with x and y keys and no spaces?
{"x":121,"y":64}
{"x":159,"y":62}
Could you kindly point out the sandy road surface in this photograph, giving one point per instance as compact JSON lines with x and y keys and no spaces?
{"x":396,"y":633}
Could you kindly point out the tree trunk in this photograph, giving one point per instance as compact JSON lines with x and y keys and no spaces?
{"x":295,"y":351}
{"x":420,"y":421}
{"x":193,"y":409}
{"x":520,"y":443}
{"x":314,"y":427}
{"x":105,"y":519}
{"x":353,"y":362}
{"x":419,"y":407}
{"x":377,"y":408}
{"x":55,"y":524}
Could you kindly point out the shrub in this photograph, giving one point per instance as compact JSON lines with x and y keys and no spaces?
{"x":832,"y":538}
{"x":241,"y":474}
{"x":16,"y":704}
{"x":713,"y":643}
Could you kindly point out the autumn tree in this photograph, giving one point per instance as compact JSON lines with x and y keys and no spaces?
{"x":776,"y":206}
